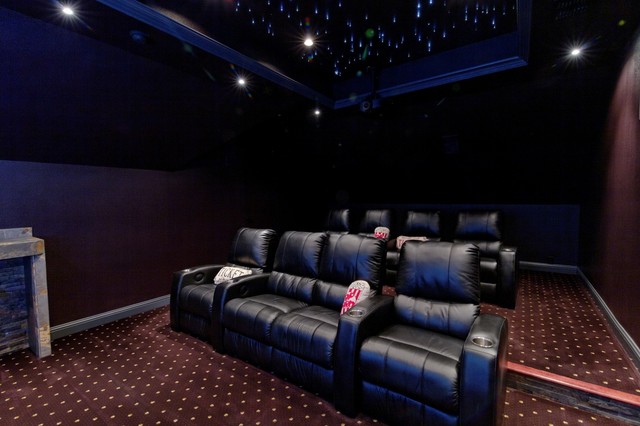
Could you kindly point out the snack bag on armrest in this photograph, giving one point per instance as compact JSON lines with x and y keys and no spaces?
{"x":230,"y":272}
{"x":381,"y":232}
{"x":357,"y":291}
{"x":402,"y":238}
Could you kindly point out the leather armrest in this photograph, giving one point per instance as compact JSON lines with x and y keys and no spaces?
{"x":243,"y":286}
{"x":197,"y":275}
{"x":508,"y":279}
{"x":372,"y":315}
{"x":483,"y":371}
{"x":393,"y":257}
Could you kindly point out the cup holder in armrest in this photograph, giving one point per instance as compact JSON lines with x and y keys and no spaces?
{"x":483,"y":342}
{"x":355,"y":313}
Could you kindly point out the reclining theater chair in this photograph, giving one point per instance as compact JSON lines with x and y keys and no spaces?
{"x":288,"y":321}
{"x":192,"y":289}
{"x":498,"y":262}
{"x":372,"y":219}
{"x":337,"y":221}
{"x":429,"y":356}
{"x":417,"y":224}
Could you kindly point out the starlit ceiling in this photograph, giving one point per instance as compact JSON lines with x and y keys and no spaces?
{"x":350,"y":38}
{"x":361,"y":50}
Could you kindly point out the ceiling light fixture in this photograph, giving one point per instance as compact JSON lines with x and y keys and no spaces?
{"x":138,"y":37}
{"x":67,"y":10}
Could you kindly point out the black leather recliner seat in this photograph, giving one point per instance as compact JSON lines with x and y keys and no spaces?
{"x":420,"y":224}
{"x":431,"y":357}
{"x":288,"y":321}
{"x":498,"y":262}
{"x":338,"y":221}
{"x":192,"y":289}
{"x":373,"y":218}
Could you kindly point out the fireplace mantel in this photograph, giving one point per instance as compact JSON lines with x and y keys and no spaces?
{"x":20,"y":243}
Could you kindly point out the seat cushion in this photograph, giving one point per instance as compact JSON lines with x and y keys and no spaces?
{"x":254,"y":316}
{"x":197,"y":299}
{"x":308,"y":333}
{"x":488,"y":269}
{"x":490,"y":249}
{"x":420,"y":364}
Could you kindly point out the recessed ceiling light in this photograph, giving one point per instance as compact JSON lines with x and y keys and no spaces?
{"x":138,"y":36}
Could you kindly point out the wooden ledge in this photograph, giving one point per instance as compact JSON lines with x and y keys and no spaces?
{"x":21,"y":247}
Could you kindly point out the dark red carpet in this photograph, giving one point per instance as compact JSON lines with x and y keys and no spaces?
{"x":558,"y":327}
{"x":137,"y":371}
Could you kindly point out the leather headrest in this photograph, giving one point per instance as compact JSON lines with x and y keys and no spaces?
{"x":350,"y":257}
{"x":253,"y":248}
{"x":439,"y":270}
{"x":479,"y":225}
{"x":299,"y":253}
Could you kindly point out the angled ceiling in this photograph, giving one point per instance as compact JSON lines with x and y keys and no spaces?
{"x":363,"y":51}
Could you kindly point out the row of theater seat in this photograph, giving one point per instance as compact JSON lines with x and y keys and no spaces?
{"x":484,"y":228}
{"x":423,"y":356}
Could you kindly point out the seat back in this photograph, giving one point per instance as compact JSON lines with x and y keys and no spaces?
{"x":253,"y":248}
{"x":438,"y":286}
{"x":483,"y":228}
{"x":296,"y":264}
{"x":372,"y":219}
{"x":337,"y":221}
{"x":345,"y":259}
{"x":422,"y":224}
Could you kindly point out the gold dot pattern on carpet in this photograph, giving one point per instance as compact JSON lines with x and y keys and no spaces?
{"x":558,"y":327}
{"x":139,"y":372}
{"x":525,"y":409}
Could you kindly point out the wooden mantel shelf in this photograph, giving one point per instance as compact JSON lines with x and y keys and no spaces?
{"x":20,"y":243}
{"x":21,"y":247}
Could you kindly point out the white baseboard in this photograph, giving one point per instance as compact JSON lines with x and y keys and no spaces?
{"x":82,"y":324}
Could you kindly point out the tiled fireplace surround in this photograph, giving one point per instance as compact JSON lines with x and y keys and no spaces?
{"x":24,"y":301}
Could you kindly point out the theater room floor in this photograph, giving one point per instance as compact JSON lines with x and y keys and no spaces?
{"x":565,"y":368}
{"x":563,"y":348}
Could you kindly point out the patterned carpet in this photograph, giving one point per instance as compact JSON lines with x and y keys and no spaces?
{"x":522,"y":409}
{"x":137,"y":371}
{"x":558,"y":327}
